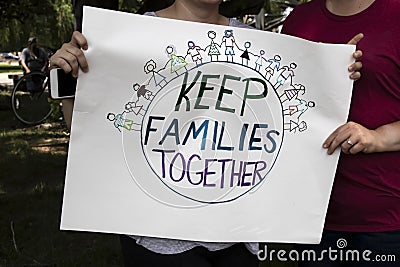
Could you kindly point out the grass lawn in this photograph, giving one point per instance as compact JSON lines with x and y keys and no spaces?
{"x":4,"y":67}
{"x":32,"y":169}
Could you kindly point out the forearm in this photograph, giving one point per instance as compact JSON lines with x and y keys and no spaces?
{"x":354,"y":138}
{"x":387,"y":137}
{"x":45,"y":66}
{"x":24,"y":65}
{"x":67,"y":108}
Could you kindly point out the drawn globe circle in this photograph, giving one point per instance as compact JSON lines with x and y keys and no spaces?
{"x":239,"y":133}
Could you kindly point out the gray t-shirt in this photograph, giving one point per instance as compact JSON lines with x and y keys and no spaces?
{"x":173,"y":246}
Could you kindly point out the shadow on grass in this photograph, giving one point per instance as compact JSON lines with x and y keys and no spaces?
{"x":32,"y":170}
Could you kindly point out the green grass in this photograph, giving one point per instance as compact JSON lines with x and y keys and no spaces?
{"x":32,"y":169}
{"x":4,"y":67}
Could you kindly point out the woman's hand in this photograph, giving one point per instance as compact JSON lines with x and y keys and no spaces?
{"x":70,"y":56}
{"x":353,"y":138}
{"x":357,"y":65}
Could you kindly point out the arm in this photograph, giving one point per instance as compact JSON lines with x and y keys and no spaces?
{"x":23,"y":62}
{"x":44,"y":67}
{"x":67,"y":108}
{"x":70,"y":58}
{"x":46,"y":60}
{"x":354,"y":138}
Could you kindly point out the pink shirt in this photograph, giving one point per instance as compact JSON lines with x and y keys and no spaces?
{"x":366,"y":192}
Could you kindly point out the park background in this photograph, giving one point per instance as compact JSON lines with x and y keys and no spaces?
{"x":33,"y":158}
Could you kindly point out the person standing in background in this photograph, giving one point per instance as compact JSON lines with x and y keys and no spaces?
{"x":33,"y":57}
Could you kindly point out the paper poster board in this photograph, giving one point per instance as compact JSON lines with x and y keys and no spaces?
{"x":202,"y":132}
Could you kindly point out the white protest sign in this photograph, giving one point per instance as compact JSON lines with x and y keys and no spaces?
{"x":202,"y":132}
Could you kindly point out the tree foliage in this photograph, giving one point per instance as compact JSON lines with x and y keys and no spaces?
{"x":49,"y":20}
{"x":52,"y":21}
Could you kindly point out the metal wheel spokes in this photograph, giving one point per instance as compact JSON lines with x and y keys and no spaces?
{"x":30,"y":98}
